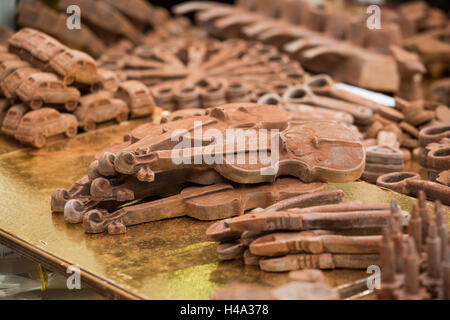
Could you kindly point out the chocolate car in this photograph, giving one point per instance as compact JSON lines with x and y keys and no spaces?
{"x":137,"y":96}
{"x":4,"y":105}
{"x":109,"y":80}
{"x":7,"y":67}
{"x":34,"y":46}
{"x":75,"y":66}
{"x":100,"y":107}
{"x":38,"y":125}
{"x":5,"y":56}
{"x":11,"y":82}
{"x":43,"y":50}
{"x":12,"y":119}
{"x":18,"y":39}
{"x":40,"y":88}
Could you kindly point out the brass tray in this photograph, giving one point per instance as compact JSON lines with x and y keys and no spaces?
{"x":168,"y":259}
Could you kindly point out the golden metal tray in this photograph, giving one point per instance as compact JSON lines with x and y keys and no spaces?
{"x":160,"y":260}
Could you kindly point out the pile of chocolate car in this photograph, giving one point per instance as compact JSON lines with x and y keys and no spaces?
{"x":50,"y":90}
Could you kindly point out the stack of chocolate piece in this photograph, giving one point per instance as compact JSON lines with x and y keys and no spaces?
{"x":187,"y":73}
{"x":211,"y":165}
{"x":416,"y":266}
{"x":50,"y":89}
{"x":305,"y":232}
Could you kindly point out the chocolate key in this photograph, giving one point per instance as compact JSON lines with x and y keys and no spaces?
{"x":323,"y":84}
{"x":303,"y":94}
{"x":409,"y":183}
{"x":213,"y":202}
{"x":319,"y":261}
{"x":290,"y":220}
{"x":313,"y":241}
{"x":220,"y":230}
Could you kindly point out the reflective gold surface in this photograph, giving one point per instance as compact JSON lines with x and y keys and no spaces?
{"x":161,"y":260}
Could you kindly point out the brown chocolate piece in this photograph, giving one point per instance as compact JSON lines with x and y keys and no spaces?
{"x":230,"y":250}
{"x":45,"y":88}
{"x":446,"y":275}
{"x":109,"y":80}
{"x":439,"y":159}
{"x":409,"y":183}
{"x":308,"y":275}
{"x":55,"y":24}
{"x":9,"y":66}
{"x":329,"y":136}
{"x":202,"y":73}
{"x":205,"y":203}
{"x":238,"y":115}
{"x":389,"y":282}
{"x":433,"y":134}
{"x":11,"y":82}
{"x":316,"y":51}
{"x":290,"y":220}
{"x":67,"y":64}
{"x":444,"y":178}
{"x":432,"y":48}
{"x":303,"y":112}
{"x":440,"y":91}
{"x":220,"y":230}
{"x":105,"y":19}
{"x":4,"y":106}
{"x":323,"y":84}
{"x":317,"y":241}
{"x":316,"y":198}
{"x":303,"y":95}
{"x":137,"y":97}
{"x":412,"y":289}
{"x":384,"y":155}
{"x":100,"y":107}
{"x":411,"y":70}
{"x":319,"y":261}
{"x":12,"y":119}
{"x":60,"y":197}
{"x":25,"y":43}
{"x":250,"y":259}
{"x":38,"y":125}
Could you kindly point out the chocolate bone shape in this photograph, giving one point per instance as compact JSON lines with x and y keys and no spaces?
{"x":213,"y":202}
{"x":311,"y":151}
{"x":313,"y":241}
